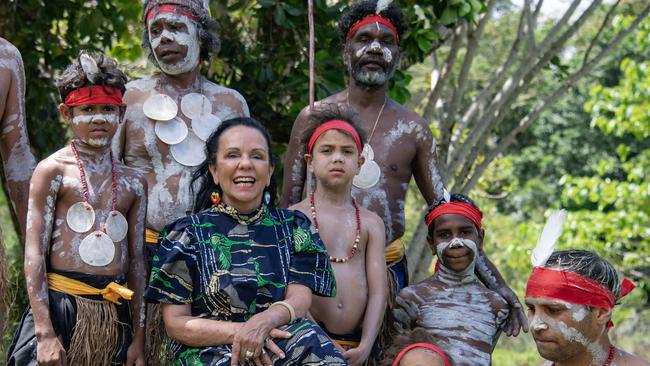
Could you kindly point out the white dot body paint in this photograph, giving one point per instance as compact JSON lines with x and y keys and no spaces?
{"x":88,"y":118}
{"x":361,"y":51}
{"x":189,"y":39}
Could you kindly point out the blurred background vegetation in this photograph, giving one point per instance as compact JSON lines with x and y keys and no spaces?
{"x":534,"y":109}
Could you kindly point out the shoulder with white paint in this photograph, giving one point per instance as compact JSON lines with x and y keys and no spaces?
{"x":372,"y":220}
{"x":134,"y":175}
{"x":50,"y":167}
{"x":627,"y":359}
{"x":8,"y":50}
{"x":220,"y":92}
{"x":143,"y":84}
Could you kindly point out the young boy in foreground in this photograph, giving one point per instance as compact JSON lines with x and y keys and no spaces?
{"x":84,"y":235}
{"x":353,"y":236}
{"x":465,"y":317}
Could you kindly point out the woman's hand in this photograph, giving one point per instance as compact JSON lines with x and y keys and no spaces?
{"x":50,"y":352}
{"x":249,"y":341}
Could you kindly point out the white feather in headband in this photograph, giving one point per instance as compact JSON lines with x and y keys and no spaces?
{"x":550,"y":234}
{"x":89,"y":65}
{"x":382,"y":5}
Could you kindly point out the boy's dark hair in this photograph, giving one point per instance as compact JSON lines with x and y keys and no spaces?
{"x":202,"y":176}
{"x":207,"y":29}
{"x":361,"y":9}
{"x":587,"y":264}
{"x":74,"y":76}
{"x":454,"y":197}
{"x":403,"y":340}
{"x":327,"y":112}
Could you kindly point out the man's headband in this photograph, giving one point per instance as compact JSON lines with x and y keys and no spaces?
{"x":372,"y":18}
{"x":175,"y":9}
{"x":335,"y":124}
{"x":458,"y":208}
{"x":548,"y":283}
{"x":95,"y":94}
{"x":428,"y":346}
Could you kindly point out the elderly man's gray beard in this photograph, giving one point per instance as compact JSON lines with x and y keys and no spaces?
{"x":372,"y":78}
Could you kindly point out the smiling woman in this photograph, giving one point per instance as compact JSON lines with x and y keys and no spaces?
{"x":235,"y":279}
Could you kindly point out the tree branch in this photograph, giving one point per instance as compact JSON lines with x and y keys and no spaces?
{"x":525,"y":122}
{"x":434,"y":94}
{"x":600,"y":30}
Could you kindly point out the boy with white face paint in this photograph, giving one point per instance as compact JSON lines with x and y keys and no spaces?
{"x":84,"y":263}
{"x":570,"y":299}
{"x":465,"y":317}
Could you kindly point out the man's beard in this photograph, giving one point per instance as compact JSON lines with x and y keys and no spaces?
{"x":372,"y":79}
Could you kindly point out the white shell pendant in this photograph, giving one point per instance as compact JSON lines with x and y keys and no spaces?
{"x":97,"y":249}
{"x":195,"y":105}
{"x":190,"y":152}
{"x":171,"y":132}
{"x":367,"y":152}
{"x":80,"y":217}
{"x":116,"y":226}
{"x":205,"y":125}
{"x":160,"y":107}
{"x":368,"y":176}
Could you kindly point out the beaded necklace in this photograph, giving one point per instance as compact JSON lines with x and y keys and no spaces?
{"x":610,"y":357}
{"x":357,"y":238}
{"x":242,"y":219}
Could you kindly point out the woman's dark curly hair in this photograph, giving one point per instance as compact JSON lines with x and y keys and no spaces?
{"x":361,"y":9}
{"x":202,"y":176}
{"x":208,"y":32}
{"x":74,"y":76}
{"x":326,"y":112}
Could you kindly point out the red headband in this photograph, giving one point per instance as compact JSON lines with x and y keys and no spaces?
{"x":573,"y":288}
{"x":421,"y":345}
{"x":335,"y":124}
{"x":373,"y":18}
{"x":176,"y":9}
{"x":457,"y":208}
{"x":95,"y":94}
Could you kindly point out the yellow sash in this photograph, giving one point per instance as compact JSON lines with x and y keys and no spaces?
{"x":395,"y":251}
{"x":150,"y":236}
{"x":346,"y":345}
{"x":113,"y":292}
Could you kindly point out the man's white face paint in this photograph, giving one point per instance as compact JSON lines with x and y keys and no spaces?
{"x":88,"y":118}
{"x":537,"y":324}
{"x":456,"y":243}
{"x":190,"y":39}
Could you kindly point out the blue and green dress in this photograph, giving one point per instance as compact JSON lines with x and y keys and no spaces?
{"x":230,"y":267}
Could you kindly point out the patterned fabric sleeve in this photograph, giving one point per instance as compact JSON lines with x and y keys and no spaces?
{"x":310,"y":264}
{"x":171,"y":279}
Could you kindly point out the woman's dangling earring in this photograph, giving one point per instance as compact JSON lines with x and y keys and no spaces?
{"x":267,"y":198}
{"x":215,"y":197}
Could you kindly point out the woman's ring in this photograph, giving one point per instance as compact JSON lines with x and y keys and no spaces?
{"x":249,"y":354}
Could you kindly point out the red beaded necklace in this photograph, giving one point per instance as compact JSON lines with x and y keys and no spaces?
{"x":610,"y":357}
{"x":357,"y":238}
{"x":82,"y":174}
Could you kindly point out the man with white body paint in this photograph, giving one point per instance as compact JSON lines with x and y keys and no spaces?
{"x":401,"y":143}
{"x":18,"y":162}
{"x":570,"y":300}
{"x":171,"y":113}
{"x":465,"y":317}
{"x":85,"y":235}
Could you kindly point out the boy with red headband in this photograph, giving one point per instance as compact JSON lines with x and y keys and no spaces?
{"x":353,"y":235}
{"x":85,"y":228}
{"x":465,"y":317}
{"x":415,"y":348}
{"x":570,"y":298}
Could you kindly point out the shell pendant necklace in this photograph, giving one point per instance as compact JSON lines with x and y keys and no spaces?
{"x":97,"y":248}
{"x":369,"y":173}
{"x":186,"y":145}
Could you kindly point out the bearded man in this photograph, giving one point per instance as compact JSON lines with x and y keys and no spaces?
{"x":168,"y":117}
{"x":570,"y":299}
{"x":400,"y":144}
